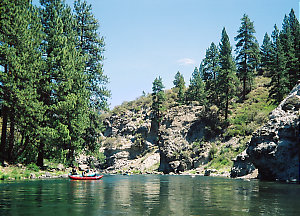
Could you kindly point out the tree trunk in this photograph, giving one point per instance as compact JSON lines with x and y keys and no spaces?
{"x":4,"y":132}
{"x":245,"y":77}
{"x":244,"y":88}
{"x":11,"y":136}
{"x":226,"y":107}
{"x":40,"y":159}
{"x":24,"y":145}
{"x":70,"y":156}
{"x":5,"y":111}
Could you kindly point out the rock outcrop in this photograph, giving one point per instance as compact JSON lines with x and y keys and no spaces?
{"x":129,"y":138}
{"x":180,"y":128}
{"x":274,"y":149}
{"x":126,"y":139}
{"x":242,"y":165}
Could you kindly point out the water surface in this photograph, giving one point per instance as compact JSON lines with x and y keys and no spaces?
{"x":149,"y":195}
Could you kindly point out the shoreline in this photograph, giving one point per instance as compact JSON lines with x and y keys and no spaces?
{"x":14,"y":172}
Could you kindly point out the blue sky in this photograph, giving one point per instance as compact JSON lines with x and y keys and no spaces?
{"x":150,"y":38}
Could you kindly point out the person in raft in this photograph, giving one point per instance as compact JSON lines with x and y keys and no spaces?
{"x":88,"y":173}
{"x":74,"y":171}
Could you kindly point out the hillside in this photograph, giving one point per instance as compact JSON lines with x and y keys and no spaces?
{"x":193,"y":137}
{"x":274,"y":149}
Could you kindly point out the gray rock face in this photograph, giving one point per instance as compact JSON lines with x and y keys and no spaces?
{"x":242,"y":165}
{"x":126,"y":137}
{"x":130,"y":135}
{"x":274,"y":149}
{"x":179,"y":129}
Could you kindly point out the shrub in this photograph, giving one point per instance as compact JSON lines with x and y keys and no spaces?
{"x":139,"y":141}
{"x":101,"y":157}
{"x":109,"y":142}
{"x":33,"y":167}
{"x":4,"y":176}
{"x":213,"y":151}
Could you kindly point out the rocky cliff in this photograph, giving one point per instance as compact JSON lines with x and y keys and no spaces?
{"x":127,"y":139}
{"x":194,"y":138}
{"x":181,"y":127}
{"x":275,"y":148}
{"x":130,"y":145}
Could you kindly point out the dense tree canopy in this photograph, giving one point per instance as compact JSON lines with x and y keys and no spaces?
{"x":48,"y":81}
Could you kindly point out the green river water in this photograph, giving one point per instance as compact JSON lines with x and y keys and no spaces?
{"x":149,"y":195}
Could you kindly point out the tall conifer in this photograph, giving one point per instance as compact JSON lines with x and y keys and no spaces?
{"x":180,"y":86}
{"x":196,"y":90}
{"x":91,"y":46}
{"x":227,"y":80}
{"x":279,"y":75}
{"x":20,"y":55}
{"x":158,"y":98}
{"x":266,"y":52}
{"x":290,"y":45}
{"x":67,"y":97}
{"x":210,"y":69}
{"x":247,"y":50}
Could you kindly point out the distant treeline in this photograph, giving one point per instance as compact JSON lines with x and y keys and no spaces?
{"x":222,"y":79}
{"x":52,"y":86}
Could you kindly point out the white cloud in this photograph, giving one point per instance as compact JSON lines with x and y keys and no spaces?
{"x":186,"y":61}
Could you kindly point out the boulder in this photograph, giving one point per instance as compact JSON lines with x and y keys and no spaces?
{"x":208,"y":172}
{"x":242,"y":166}
{"x":60,"y":167}
{"x":32,"y":176}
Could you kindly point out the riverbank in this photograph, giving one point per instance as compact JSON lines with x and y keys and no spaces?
{"x":19,"y":172}
{"x":193,"y":172}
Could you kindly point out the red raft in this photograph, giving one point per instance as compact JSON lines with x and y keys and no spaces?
{"x":80,"y":177}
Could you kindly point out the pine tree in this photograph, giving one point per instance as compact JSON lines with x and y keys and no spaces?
{"x":295,"y":32}
{"x":177,"y":78}
{"x":19,"y":54}
{"x":287,"y":42}
{"x":180,"y":86}
{"x":196,"y":90}
{"x":247,"y":50}
{"x":210,"y":68}
{"x":158,"y":98}
{"x":227,"y":80}
{"x":91,"y":46}
{"x":266,"y":51}
{"x":279,"y":76}
{"x":64,"y":85}
{"x":290,"y":37}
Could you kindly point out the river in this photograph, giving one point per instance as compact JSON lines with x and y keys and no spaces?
{"x":149,"y":195}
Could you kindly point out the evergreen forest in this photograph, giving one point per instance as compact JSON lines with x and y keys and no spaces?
{"x":225,"y":77}
{"x":53,"y":89}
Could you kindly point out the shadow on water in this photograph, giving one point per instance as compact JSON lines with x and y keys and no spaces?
{"x":149,"y":195}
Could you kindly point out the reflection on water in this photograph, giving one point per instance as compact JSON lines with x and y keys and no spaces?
{"x":149,"y":195}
